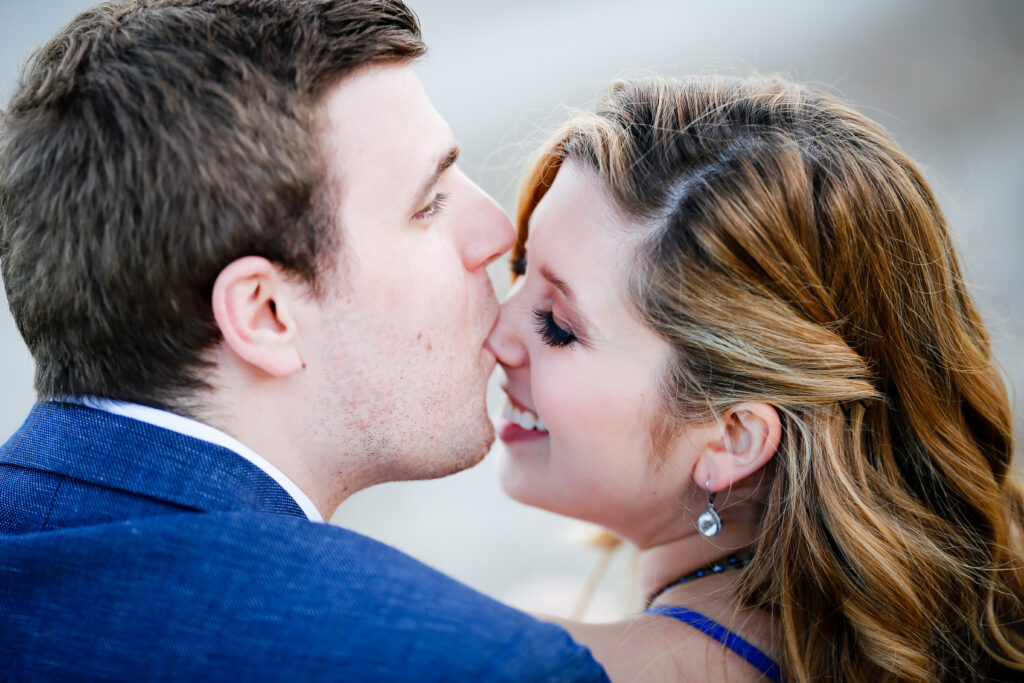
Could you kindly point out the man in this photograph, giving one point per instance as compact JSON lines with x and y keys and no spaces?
{"x":234,"y":238}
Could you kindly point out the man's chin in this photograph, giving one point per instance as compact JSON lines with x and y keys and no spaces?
{"x":443,"y":457}
{"x":471,"y":447}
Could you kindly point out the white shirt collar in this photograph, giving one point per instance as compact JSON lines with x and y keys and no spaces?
{"x":204,"y":432}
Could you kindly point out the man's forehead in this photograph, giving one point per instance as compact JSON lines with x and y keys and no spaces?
{"x":379,"y":121}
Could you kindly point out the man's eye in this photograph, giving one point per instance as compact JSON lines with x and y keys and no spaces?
{"x":549,"y":330}
{"x":434,"y":208}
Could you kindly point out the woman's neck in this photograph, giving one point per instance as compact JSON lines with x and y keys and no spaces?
{"x":688,"y":551}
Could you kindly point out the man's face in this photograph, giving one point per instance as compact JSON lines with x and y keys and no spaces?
{"x":402,"y":369}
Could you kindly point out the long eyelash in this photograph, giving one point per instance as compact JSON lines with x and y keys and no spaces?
{"x":440,"y":200}
{"x":550,"y":332}
{"x":435,"y":207}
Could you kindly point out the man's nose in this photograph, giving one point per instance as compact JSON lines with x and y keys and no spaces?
{"x":487,"y":232}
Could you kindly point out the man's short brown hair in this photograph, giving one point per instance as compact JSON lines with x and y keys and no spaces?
{"x":150,"y":144}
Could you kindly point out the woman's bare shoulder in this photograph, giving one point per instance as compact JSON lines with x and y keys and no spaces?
{"x":657,"y":648}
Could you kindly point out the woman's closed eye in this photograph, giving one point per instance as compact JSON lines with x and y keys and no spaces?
{"x":550,"y":331}
{"x":434,"y":208}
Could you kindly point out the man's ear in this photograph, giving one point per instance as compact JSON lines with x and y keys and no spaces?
{"x":252,"y":302}
{"x":745,"y":439}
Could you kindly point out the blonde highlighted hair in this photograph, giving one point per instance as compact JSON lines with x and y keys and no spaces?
{"x":789,"y":252}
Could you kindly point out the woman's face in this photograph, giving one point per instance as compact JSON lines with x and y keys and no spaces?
{"x":583,"y":373}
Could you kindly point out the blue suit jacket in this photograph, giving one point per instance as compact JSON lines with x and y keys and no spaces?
{"x":128,"y":551}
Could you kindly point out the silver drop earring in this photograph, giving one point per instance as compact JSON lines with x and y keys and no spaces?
{"x":709,"y":523}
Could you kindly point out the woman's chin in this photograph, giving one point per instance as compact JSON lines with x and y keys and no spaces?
{"x":519,"y":473}
{"x":524,"y":479}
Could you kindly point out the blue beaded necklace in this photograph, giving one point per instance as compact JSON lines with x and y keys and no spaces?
{"x":731,"y":562}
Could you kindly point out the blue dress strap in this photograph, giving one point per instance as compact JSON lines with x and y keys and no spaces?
{"x":758,"y":659}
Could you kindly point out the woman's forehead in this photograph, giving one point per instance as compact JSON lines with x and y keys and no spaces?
{"x":579,"y":240}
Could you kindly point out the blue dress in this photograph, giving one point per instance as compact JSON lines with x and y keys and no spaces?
{"x":755,"y":657}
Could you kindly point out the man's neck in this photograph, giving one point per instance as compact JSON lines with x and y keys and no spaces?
{"x":273,"y":444}
{"x":279,"y":418}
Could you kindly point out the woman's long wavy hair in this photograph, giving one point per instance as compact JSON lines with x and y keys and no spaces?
{"x":789,"y":252}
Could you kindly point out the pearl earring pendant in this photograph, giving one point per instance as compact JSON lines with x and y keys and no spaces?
{"x":709,"y":523}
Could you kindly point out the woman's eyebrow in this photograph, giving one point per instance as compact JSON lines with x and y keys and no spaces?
{"x":570,"y":297}
{"x":584,"y":328}
{"x":559,"y":284}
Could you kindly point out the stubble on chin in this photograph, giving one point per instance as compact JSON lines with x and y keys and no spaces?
{"x":422,"y":417}
{"x":460,"y":431}
{"x":419,"y":444}
{"x":476,"y":451}
{"x":462,"y":449}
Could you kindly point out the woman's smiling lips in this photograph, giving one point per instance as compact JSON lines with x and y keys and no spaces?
{"x":519,"y":423}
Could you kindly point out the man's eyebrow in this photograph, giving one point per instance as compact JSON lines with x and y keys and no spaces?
{"x":446,"y":161}
{"x":560,"y":284}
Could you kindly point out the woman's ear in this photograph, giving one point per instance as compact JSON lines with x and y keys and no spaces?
{"x":252,"y":300}
{"x":746,"y":438}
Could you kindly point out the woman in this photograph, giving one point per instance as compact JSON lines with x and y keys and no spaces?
{"x":740,"y":340}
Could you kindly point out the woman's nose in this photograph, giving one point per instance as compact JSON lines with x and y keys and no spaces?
{"x":506,"y":339}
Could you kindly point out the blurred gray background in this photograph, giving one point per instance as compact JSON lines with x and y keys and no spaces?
{"x":945,"y":78}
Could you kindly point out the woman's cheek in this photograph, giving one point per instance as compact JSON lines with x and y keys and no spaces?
{"x":553,"y":391}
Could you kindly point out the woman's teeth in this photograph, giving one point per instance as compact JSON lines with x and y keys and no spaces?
{"x":523,"y":418}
